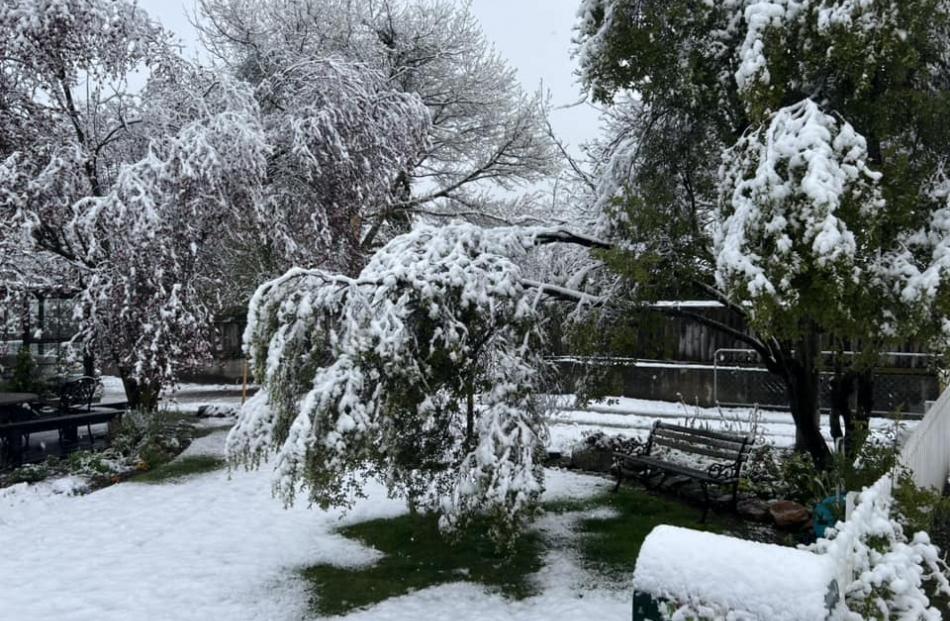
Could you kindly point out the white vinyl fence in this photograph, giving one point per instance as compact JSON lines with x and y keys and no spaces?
{"x":927,"y":452}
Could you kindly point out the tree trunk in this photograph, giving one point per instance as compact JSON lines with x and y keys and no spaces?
{"x":88,"y":363}
{"x":470,"y":414}
{"x":862,"y":415}
{"x":842,"y":387}
{"x":142,"y":396}
{"x":803,"y":388}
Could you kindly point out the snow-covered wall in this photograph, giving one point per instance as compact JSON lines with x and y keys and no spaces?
{"x":927,"y":451}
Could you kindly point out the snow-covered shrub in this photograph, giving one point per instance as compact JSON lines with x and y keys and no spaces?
{"x":96,"y":463}
{"x":148,"y":439}
{"x":601,"y":441}
{"x":762,"y":472}
{"x":421,"y":371}
{"x":886,"y":571}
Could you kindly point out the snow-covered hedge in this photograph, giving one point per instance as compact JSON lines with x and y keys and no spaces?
{"x":883,"y":570}
{"x":707,"y":576}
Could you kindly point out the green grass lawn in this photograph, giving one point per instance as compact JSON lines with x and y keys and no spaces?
{"x":609,"y":545}
{"x":180,"y":468}
{"x":417,"y":556}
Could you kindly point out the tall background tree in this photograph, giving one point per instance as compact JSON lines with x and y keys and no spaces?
{"x":787,"y":159}
{"x":138,"y":196}
{"x":485,"y":137}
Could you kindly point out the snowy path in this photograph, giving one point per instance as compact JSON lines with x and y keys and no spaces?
{"x":210,"y":548}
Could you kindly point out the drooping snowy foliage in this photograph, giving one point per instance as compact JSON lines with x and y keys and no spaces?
{"x":148,"y":239}
{"x":421,"y":371}
{"x":53,"y":46}
{"x":65,"y":121}
{"x":883,"y":570}
{"x":797,"y":195}
{"x":917,"y":269}
{"x":150,"y":201}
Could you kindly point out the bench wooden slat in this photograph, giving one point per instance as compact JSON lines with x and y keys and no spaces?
{"x":689,"y":471}
{"x":676,"y":434}
{"x":686,"y":447}
{"x":718,"y":435}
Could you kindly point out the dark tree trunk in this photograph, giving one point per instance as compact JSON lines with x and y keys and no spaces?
{"x":142,"y":396}
{"x":803,"y":389}
{"x":842,"y":387}
{"x":856,"y":422}
{"x":88,"y":363}
{"x":470,"y":414}
{"x":862,"y":415}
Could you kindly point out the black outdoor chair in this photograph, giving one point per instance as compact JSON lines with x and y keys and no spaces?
{"x":75,"y":396}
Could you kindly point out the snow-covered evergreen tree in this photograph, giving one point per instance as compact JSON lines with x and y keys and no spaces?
{"x":785,"y":158}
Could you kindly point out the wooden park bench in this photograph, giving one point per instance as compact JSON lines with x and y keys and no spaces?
{"x":711,"y":458}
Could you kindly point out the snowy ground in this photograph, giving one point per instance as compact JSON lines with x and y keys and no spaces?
{"x":218,"y":546}
{"x":623,"y":416}
{"x":634,"y":418}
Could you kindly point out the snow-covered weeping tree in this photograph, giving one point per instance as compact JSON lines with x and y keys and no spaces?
{"x":423,"y":371}
{"x":788,"y":160}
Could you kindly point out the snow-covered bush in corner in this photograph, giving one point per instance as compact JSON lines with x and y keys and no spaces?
{"x":421,"y":371}
{"x":885,"y":572}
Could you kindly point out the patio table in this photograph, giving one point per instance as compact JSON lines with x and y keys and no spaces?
{"x":17,"y":398}
{"x":14,"y":406}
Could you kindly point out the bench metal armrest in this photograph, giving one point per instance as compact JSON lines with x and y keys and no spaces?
{"x":723,"y":472}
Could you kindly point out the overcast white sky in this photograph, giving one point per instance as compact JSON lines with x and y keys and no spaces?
{"x":534,"y":35}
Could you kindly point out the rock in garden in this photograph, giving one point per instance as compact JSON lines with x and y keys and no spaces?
{"x":788,"y":514}
{"x":753,"y":509}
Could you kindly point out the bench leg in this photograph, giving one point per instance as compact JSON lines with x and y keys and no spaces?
{"x":619,"y":480}
{"x":702,"y":520}
{"x":648,"y":474}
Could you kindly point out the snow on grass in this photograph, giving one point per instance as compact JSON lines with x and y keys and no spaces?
{"x":468,"y":602}
{"x":211,"y":547}
{"x":218,"y":546}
